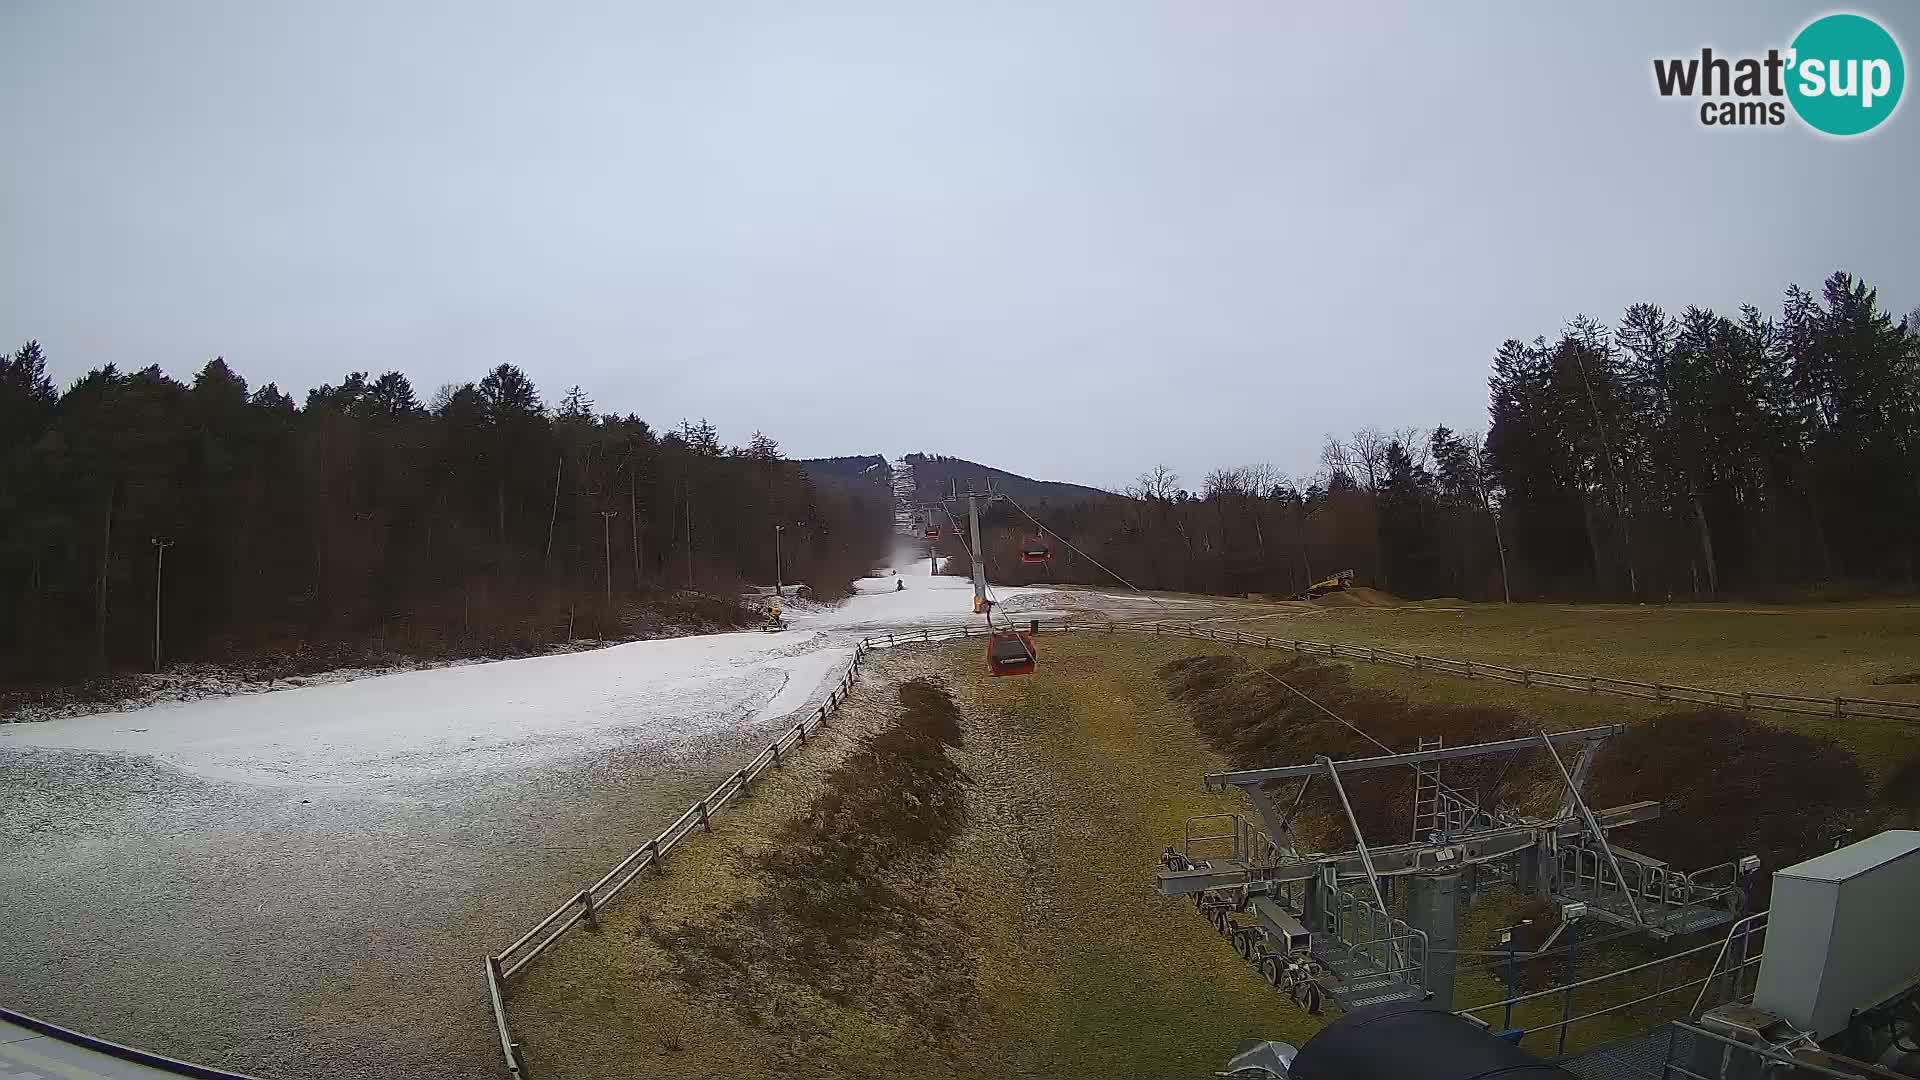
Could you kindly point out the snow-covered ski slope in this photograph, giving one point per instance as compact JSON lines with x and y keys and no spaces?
{"x":929,"y":599}
{"x":423,"y":725}
{"x":298,"y":883}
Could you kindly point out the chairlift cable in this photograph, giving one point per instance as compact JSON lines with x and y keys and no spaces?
{"x":1070,"y":546}
{"x":1296,"y":690}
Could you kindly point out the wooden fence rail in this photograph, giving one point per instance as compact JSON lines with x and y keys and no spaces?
{"x":584,"y":906}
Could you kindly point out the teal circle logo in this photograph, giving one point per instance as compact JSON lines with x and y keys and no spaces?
{"x":1847,"y":74}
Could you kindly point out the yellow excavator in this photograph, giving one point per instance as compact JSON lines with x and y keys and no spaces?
{"x":1339,"y":582}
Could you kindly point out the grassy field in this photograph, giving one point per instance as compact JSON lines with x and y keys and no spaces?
{"x":1088,"y":970}
{"x":1073,"y":965}
{"x":1054,"y":954}
{"x":1860,"y":651}
{"x":1864,"y":651}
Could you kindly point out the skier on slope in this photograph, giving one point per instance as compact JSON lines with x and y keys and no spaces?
{"x":899,"y":586}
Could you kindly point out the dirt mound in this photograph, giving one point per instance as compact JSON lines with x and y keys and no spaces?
{"x":832,"y":918}
{"x":1437,"y":602}
{"x":1902,"y":786}
{"x":1729,"y":786}
{"x":1249,"y":714}
{"x":1359,"y":596}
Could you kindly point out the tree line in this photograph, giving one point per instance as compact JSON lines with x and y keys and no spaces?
{"x":220,"y":520}
{"x":1695,"y":455}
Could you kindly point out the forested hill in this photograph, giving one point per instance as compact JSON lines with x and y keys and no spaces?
{"x":933,"y":472}
{"x":1688,"y":455}
{"x":482,"y":521}
{"x":866,"y":476}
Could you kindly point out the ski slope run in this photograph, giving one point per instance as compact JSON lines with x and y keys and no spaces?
{"x":300,"y":883}
{"x":423,"y":725}
{"x":417,"y":725}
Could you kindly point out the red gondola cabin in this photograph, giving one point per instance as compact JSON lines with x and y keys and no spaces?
{"x":1036,"y":551}
{"x":1011,"y":652}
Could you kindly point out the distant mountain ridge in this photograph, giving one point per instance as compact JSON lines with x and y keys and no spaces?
{"x":933,"y":473}
{"x":865,"y":474}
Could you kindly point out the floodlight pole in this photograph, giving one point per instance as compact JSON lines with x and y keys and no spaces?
{"x":606,"y":542}
{"x":159,"y":565}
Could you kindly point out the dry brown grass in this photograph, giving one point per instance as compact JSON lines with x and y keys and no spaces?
{"x":1035,"y":945}
{"x":831,"y":913}
{"x":1066,"y":961}
{"x":1856,"y":650}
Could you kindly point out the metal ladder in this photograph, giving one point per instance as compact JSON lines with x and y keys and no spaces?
{"x":1427,"y":815}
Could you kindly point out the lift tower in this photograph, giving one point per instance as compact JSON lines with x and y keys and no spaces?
{"x":979,"y":557}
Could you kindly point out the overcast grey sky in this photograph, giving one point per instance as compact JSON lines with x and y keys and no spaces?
{"x":1068,"y":239}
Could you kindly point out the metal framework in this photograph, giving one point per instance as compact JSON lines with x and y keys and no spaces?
{"x":1331,"y":925}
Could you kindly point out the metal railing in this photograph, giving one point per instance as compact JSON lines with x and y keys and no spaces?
{"x":1247,"y":843}
{"x":584,"y":907}
{"x":1368,"y":931}
{"x":1586,"y":874}
{"x":1687,"y":1051}
{"x":1748,"y":957}
{"x":1746,"y":938}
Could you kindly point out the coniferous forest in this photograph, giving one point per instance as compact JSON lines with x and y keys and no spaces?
{"x":1694,"y":455}
{"x":363,"y":521}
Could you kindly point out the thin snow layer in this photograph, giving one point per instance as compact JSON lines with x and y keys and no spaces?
{"x":928,"y":600}
{"x":415,"y":726}
{"x":423,"y":725}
